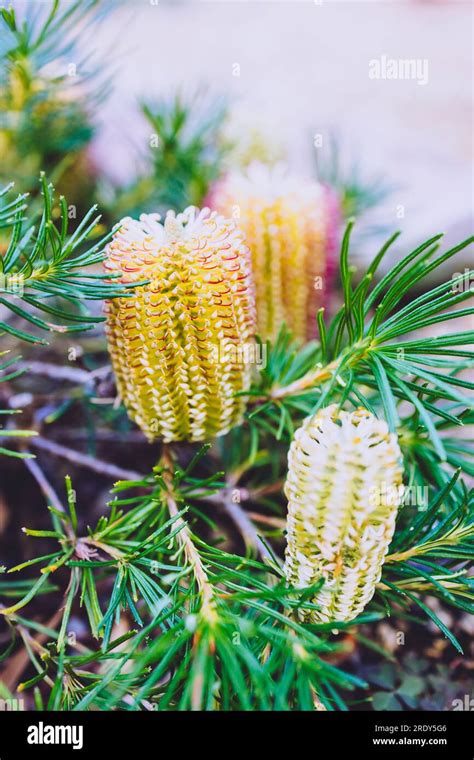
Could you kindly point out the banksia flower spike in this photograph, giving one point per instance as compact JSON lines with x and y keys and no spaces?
{"x":176,"y":343}
{"x":344,"y":489}
{"x":290,"y":226}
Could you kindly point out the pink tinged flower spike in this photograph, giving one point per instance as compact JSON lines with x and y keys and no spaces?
{"x":291,"y":229}
{"x":333,"y":229}
{"x":174,"y":343}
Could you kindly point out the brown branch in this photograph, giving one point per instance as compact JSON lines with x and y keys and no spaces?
{"x":48,"y":491}
{"x":81,"y":434}
{"x":46,"y":488}
{"x":244,"y":523}
{"x":84,"y":460}
{"x":311,"y":380}
{"x":185,"y":538}
{"x":238,"y":515}
{"x":58,"y":372}
{"x":304,"y":383}
{"x":271,"y":520}
{"x":19,"y":661}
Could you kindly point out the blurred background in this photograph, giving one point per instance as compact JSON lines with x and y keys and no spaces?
{"x":281,"y":80}
{"x":300,"y":70}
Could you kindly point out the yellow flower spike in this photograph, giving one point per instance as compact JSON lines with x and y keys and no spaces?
{"x":344,"y":487}
{"x":176,"y":344}
{"x":290,"y":226}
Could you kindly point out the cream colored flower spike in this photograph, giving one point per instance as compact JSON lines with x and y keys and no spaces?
{"x":343,"y":489}
{"x":176,"y":344}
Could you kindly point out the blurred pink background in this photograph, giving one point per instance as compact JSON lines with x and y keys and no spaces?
{"x":304,"y":69}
